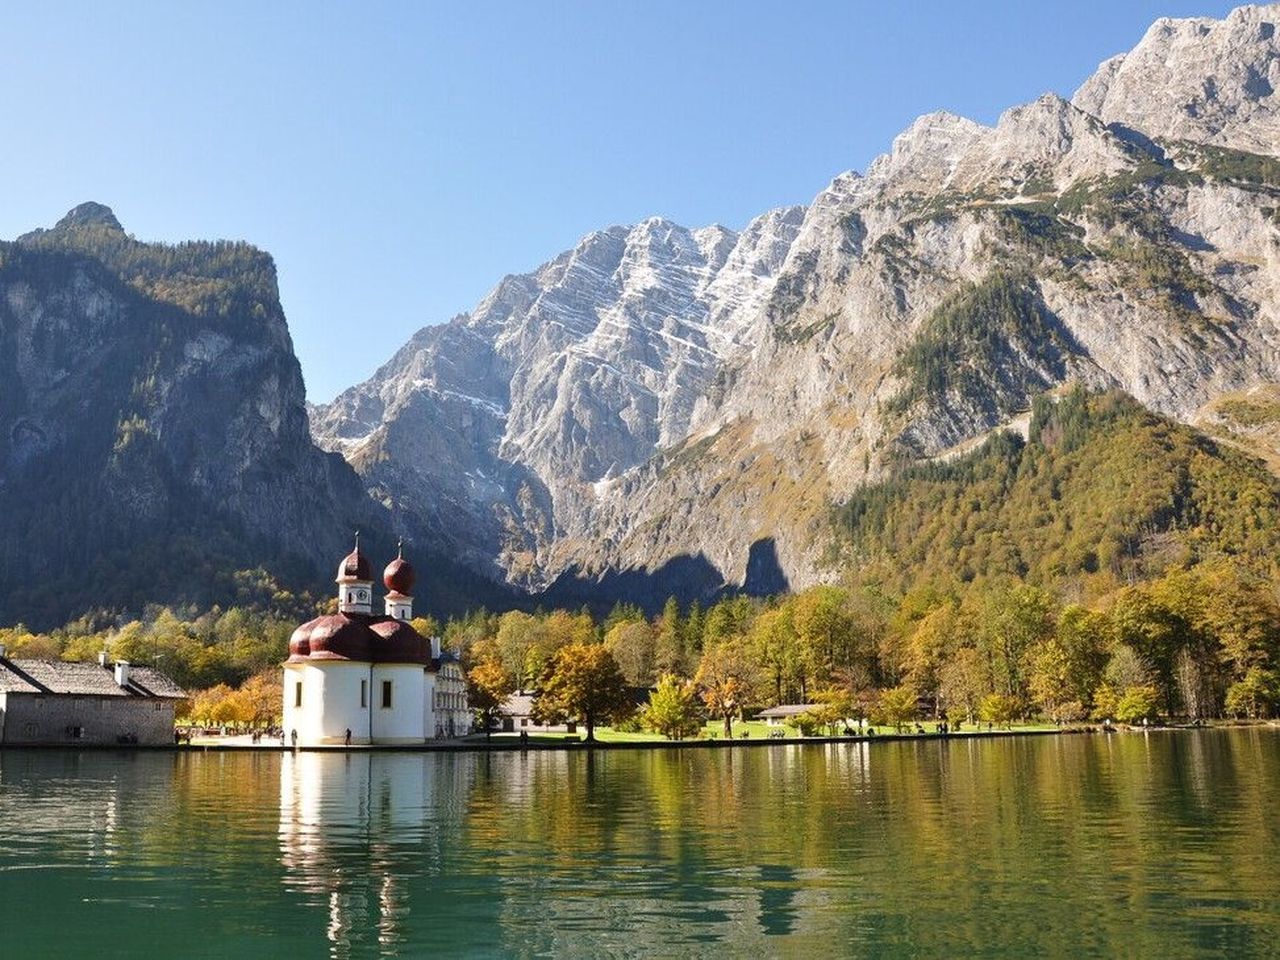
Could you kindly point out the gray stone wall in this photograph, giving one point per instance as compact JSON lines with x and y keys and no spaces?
{"x":56,"y":719}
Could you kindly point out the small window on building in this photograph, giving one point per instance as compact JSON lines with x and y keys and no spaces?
{"x":297,"y":694}
{"x":364,"y":693}
{"x":524,"y":721}
{"x":386,"y":694}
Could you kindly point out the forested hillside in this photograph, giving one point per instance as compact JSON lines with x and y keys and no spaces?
{"x":1116,"y":564}
{"x":1103,"y":493}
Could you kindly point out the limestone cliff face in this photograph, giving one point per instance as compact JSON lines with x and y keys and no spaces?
{"x":659,"y":393}
{"x":153,"y":432}
{"x":490,"y":436}
{"x":1211,"y":81}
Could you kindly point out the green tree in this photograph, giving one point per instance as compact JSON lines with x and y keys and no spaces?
{"x":1137,"y":703}
{"x":1256,"y":695}
{"x":521,"y":645}
{"x":1015,"y":618}
{"x":669,"y":648}
{"x":998,"y":709}
{"x":832,"y":709}
{"x":772,"y":642}
{"x":673,"y":709}
{"x":633,"y":644}
{"x":897,"y":706}
{"x":824,"y":633}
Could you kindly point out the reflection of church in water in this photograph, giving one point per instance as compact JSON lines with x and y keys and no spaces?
{"x":474,"y":854}
{"x":359,"y":678}
{"x":363,"y":833}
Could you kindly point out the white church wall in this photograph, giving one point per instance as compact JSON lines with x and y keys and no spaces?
{"x":331,"y":702}
{"x":402,"y":722}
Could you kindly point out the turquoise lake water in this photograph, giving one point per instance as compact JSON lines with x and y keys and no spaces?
{"x":1147,"y":845}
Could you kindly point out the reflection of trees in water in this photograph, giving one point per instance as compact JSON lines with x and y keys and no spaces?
{"x":940,"y":844}
{"x":1162,"y":843}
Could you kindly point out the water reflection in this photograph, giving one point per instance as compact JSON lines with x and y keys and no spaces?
{"x":356,"y":829}
{"x":1156,"y":845}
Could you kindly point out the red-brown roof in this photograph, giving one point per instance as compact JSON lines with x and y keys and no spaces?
{"x":354,"y":566}
{"x":337,"y":636}
{"x":359,"y":637}
{"x":399,"y":577}
{"x":398,"y":642}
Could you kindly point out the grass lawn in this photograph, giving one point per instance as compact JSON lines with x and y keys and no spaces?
{"x":757,"y":729}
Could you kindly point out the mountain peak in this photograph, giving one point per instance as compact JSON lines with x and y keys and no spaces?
{"x":89,"y":214}
{"x":1197,"y":79}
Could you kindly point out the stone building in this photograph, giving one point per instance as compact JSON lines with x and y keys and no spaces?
{"x":49,"y":702}
{"x":360,"y":678}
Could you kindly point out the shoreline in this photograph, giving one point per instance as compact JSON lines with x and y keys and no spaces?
{"x":509,"y":745}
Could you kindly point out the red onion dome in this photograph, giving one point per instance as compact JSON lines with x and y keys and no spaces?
{"x":399,"y":577}
{"x":354,"y":566}
{"x":300,"y":643}
{"x":398,"y":642}
{"x":336,"y":636}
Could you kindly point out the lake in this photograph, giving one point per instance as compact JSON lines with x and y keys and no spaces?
{"x":1159,"y":844}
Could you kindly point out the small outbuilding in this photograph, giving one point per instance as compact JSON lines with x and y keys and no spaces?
{"x":516,"y":716}
{"x":54,"y":703}
{"x":779,"y":715}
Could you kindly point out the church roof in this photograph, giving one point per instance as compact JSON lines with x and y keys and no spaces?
{"x":359,"y":637}
{"x":398,"y":642}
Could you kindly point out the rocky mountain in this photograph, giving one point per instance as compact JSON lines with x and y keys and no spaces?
{"x":663,"y":408}
{"x":153,"y":431}
{"x":493,"y":436}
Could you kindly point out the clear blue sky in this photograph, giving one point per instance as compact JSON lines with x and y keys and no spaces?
{"x":398,"y":158}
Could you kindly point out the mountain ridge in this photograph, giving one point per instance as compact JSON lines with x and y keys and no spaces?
{"x":657,"y":410}
{"x":1152,"y":261}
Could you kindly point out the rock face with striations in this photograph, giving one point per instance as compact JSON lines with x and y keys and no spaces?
{"x":153,"y":431}
{"x":659,"y":393}
{"x":492,"y":436}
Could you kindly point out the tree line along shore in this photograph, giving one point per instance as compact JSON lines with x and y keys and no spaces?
{"x":1196,"y":643}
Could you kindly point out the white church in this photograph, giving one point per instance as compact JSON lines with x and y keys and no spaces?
{"x":356,"y":678}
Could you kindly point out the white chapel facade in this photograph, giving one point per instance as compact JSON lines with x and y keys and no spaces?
{"x":357,"y":678}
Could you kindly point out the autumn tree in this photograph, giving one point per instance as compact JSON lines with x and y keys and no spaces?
{"x":489,"y":684}
{"x":725,"y":679}
{"x":260,"y":699}
{"x":931,"y":641}
{"x":582,"y":682}
{"x":633,"y":644}
{"x":962,"y":683}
